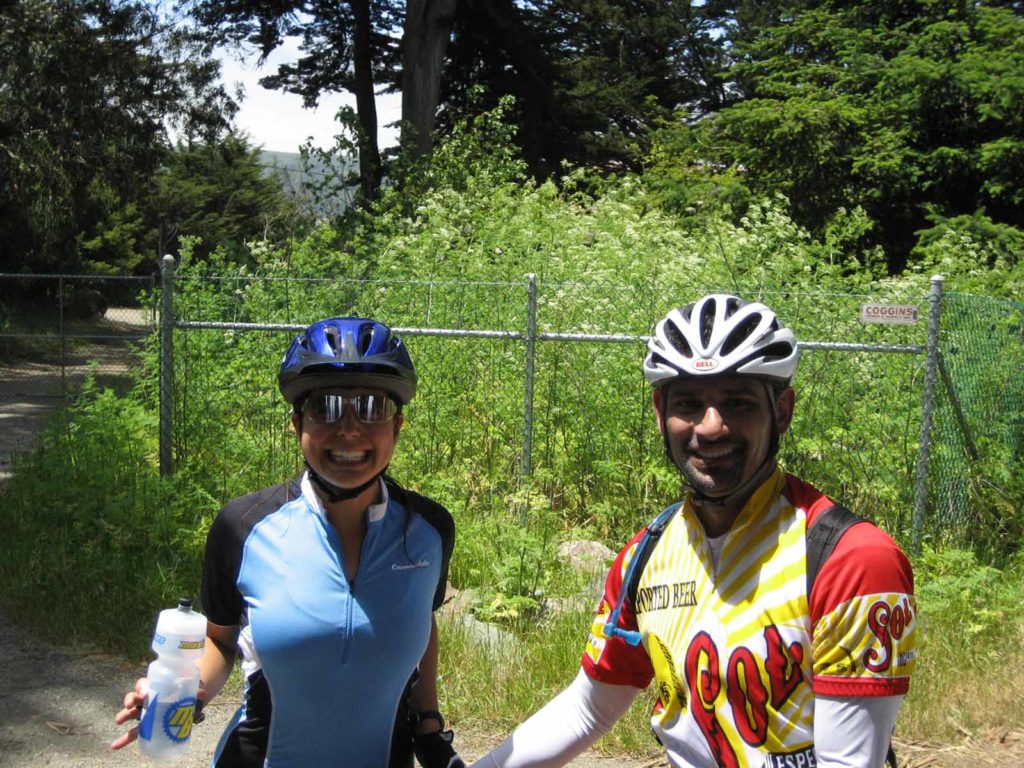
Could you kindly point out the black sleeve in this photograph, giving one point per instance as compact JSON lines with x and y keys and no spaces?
{"x":221,"y":601}
{"x":441,"y":520}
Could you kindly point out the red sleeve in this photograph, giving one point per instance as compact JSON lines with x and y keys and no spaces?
{"x":864,"y":617}
{"x":613,"y":660}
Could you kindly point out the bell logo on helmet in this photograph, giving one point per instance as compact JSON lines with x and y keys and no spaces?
{"x":705,"y":365}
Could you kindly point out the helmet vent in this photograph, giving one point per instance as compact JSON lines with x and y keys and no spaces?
{"x":731,"y":305}
{"x":707,"y":322}
{"x":740,"y":334}
{"x":677,"y":340}
{"x":365,"y":337}
{"x":777,"y":351}
{"x":333,"y":339}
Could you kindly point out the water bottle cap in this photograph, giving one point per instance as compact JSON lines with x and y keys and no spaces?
{"x":180,"y":631}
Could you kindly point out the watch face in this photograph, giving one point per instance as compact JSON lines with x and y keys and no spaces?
{"x":430,"y":714}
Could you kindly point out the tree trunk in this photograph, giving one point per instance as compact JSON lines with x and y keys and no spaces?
{"x":366,"y":106}
{"x":428,"y":29}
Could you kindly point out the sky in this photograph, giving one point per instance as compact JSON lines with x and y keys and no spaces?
{"x":278,"y":121}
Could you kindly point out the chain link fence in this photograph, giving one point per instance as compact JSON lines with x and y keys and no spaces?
{"x":535,"y":385}
{"x":975,"y":476}
{"x":55,"y":329}
{"x":543,"y":381}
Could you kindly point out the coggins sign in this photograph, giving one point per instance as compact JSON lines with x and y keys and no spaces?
{"x":902,"y":314}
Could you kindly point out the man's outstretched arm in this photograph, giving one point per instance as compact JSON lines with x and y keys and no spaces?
{"x":854,"y":732}
{"x":564,"y":727}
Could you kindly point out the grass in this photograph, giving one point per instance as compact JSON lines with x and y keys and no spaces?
{"x":970,"y":670}
{"x":96,"y":541}
{"x":491,"y":687}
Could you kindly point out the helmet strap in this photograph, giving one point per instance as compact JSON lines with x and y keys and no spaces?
{"x":333,"y":493}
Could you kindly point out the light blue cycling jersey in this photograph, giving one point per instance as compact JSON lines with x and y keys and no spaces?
{"x":325,"y":660}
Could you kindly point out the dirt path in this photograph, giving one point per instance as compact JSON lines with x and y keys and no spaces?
{"x":31,"y":390}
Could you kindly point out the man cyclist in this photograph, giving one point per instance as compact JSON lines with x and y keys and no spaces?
{"x":754,"y":664}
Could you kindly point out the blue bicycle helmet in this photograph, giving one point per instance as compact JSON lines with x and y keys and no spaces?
{"x":348,"y":352}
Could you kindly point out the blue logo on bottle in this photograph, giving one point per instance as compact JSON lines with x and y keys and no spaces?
{"x":178,"y":719}
{"x":148,"y":717}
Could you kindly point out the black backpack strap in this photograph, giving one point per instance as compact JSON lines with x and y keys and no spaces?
{"x":823,"y":535}
{"x":634,"y":571}
{"x":644,"y":548}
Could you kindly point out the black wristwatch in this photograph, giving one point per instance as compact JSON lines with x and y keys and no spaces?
{"x":426,"y":714}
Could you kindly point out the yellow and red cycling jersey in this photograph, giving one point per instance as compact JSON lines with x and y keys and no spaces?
{"x":739,"y":651}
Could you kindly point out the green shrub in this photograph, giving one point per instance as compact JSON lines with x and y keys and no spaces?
{"x":96,"y":543}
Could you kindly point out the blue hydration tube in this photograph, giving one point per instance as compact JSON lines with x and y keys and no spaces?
{"x":633,"y":572}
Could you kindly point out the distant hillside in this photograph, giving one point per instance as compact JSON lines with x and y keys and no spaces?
{"x":300,"y":182}
{"x":288,"y":166}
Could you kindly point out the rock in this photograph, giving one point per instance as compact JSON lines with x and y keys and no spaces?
{"x":579,"y":603}
{"x":458,"y":602}
{"x":586,"y":555}
{"x":590,"y":559}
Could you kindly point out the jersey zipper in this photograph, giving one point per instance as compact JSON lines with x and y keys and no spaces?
{"x":339,"y":552}
{"x":346,"y":646}
{"x":364,"y":557}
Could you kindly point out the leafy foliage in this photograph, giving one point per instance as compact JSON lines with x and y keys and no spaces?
{"x":129,"y":540}
{"x":589,"y":77}
{"x":220,"y":194}
{"x":907,"y":111}
{"x":474,"y":217}
{"x":969,"y":626}
{"x":85,"y":90}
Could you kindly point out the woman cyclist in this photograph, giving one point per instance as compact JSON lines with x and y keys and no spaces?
{"x":325,"y":586}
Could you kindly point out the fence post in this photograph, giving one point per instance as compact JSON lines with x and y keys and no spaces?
{"x":63,"y":340}
{"x":927,"y":412}
{"x":166,"y":362}
{"x":531,"y":356}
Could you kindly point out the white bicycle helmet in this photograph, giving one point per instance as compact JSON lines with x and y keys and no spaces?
{"x":721,"y":334}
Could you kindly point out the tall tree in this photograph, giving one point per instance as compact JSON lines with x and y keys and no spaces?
{"x":428,"y":29}
{"x":591,"y":76}
{"x":86,"y":90}
{"x":356,"y":47}
{"x":221,"y":193}
{"x":912,"y":110}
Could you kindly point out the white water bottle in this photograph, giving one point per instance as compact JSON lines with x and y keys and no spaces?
{"x":167,"y":718}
